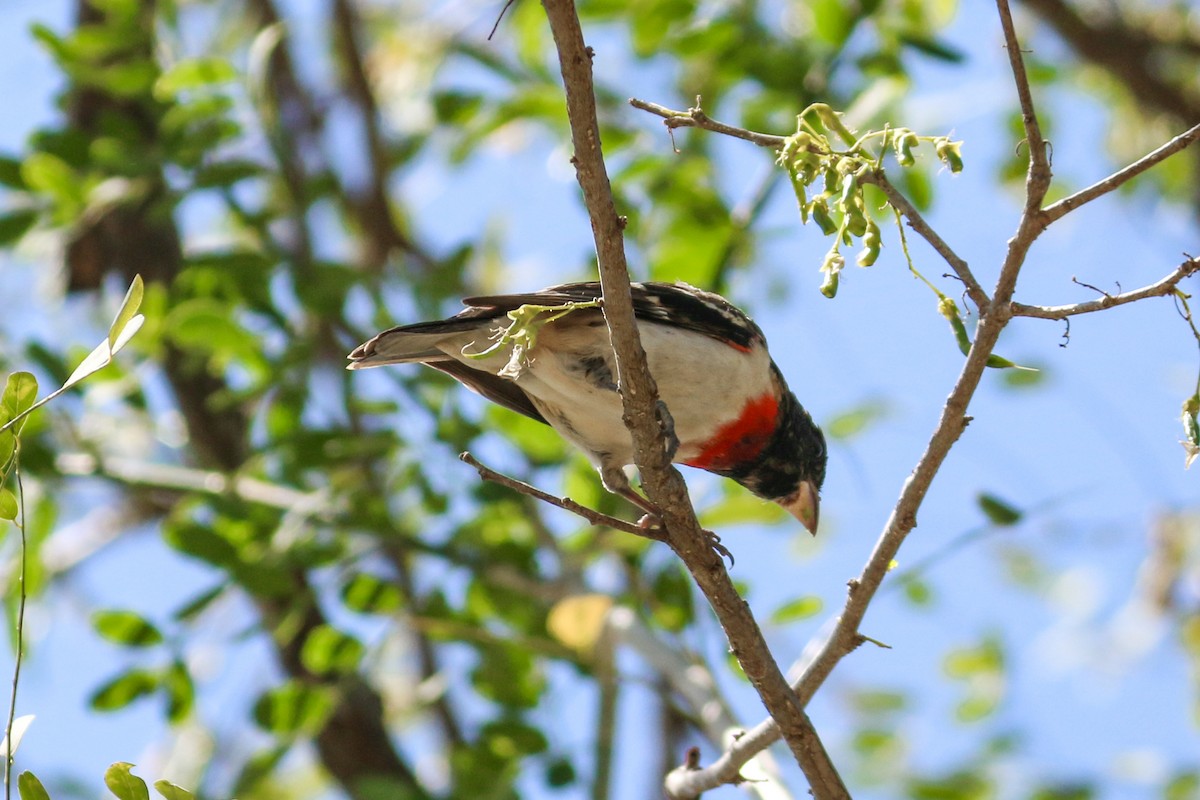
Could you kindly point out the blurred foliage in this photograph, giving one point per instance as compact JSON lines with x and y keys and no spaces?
{"x":249,"y":161}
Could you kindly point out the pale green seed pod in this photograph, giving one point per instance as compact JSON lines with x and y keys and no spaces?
{"x":872,"y":244}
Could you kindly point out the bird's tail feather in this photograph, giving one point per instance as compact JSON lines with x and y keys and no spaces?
{"x":399,"y":346}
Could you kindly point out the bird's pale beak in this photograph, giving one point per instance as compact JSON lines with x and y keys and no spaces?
{"x":804,"y":504}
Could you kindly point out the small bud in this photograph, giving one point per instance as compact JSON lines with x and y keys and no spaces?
{"x":820,"y":215}
{"x":872,"y":243}
{"x":950,"y":153}
{"x":829,"y":286}
{"x":905,"y":141}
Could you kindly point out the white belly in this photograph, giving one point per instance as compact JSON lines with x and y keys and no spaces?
{"x":703,"y":383}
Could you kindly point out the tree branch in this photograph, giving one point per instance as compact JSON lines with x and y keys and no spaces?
{"x":639,"y":396}
{"x":994,"y":316}
{"x":1060,"y":209}
{"x":1159,"y":288}
{"x":695,"y":118}
{"x":1037,"y":180}
{"x":565,"y":503}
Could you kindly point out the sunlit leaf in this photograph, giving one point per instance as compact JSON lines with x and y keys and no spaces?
{"x":193,"y":73}
{"x":180,"y":691}
{"x":19,"y":726}
{"x":849,"y":424}
{"x":129,"y":307}
{"x":127,"y":628}
{"x":798,"y":609}
{"x":124,"y":689}
{"x":369,"y":594}
{"x":172,"y":792}
{"x":9,"y":507}
{"x":327,"y":650}
{"x":124,"y":784}
{"x":294,"y":708}
{"x":31,"y":788}
{"x":578,"y":621}
{"x":16,"y":224}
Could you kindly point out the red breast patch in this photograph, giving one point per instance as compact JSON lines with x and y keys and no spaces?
{"x":742,"y":439}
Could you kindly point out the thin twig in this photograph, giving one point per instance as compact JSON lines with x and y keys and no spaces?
{"x":696,"y":118}
{"x":565,"y":503}
{"x":1037,"y":180}
{"x":923,"y":229}
{"x":1100,"y":188}
{"x":664,"y":486}
{"x":20,"y":632}
{"x":1159,"y":288}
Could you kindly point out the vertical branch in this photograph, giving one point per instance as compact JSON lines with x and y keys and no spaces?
{"x":20,"y":632}
{"x":1037,"y":181}
{"x":639,"y":398}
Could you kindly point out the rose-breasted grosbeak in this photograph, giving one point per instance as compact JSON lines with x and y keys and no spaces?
{"x":550,"y":359}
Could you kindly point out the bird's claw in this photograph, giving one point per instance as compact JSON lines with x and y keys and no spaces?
{"x":666,"y":425}
{"x":652,"y":522}
{"x":714,"y":542}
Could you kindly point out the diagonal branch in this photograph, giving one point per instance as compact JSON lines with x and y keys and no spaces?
{"x":565,"y":503}
{"x":695,"y":118}
{"x":663,"y":483}
{"x":1159,"y":288}
{"x":1100,"y":188}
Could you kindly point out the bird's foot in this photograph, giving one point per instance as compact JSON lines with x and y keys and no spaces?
{"x":714,"y":542}
{"x":666,"y":425}
{"x":653,"y":525}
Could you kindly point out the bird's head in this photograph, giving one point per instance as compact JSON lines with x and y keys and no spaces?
{"x":790,"y":470}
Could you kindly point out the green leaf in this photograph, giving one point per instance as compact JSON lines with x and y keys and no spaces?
{"x":124,"y":784}
{"x":931,"y":46}
{"x":50,"y":175}
{"x":798,"y":609}
{"x":102,"y":355}
{"x":205,"y":326}
{"x":180,"y":690}
{"x":16,"y":224}
{"x":850,"y":423}
{"x":329,"y":651}
{"x":31,"y":788}
{"x":879,"y":702}
{"x":512,"y":738}
{"x":20,"y":394}
{"x":172,"y":792}
{"x":560,"y":772}
{"x":997,"y":511}
{"x":196,"y":606}
{"x":968,"y":662}
{"x":129,"y":307}
{"x":10,"y":174}
{"x":917,"y":592}
{"x":976,"y":707}
{"x":369,"y":594}
{"x":193,"y":73}
{"x":8,"y":504}
{"x":127,"y":628}
{"x":740,"y":507}
{"x":832,"y":21}
{"x":294,"y":708}
{"x":202,"y":542}
{"x":124,"y":689}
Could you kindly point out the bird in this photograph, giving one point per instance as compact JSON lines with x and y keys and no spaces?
{"x":547,"y":355}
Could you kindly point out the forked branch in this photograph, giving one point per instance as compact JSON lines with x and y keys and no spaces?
{"x":639,"y":397}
